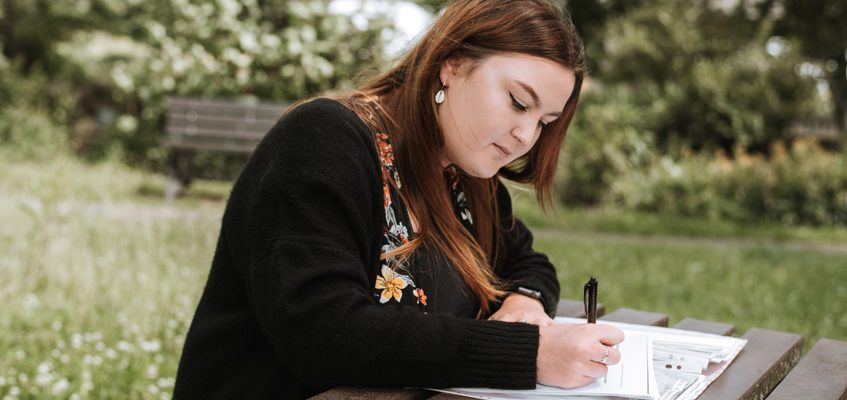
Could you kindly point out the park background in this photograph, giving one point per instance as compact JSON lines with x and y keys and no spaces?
{"x":704,"y":176}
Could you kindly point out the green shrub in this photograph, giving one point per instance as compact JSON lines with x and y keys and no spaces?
{"x":803,"y":184}
{"x":30,"y":133}
{"x":607,"y":137}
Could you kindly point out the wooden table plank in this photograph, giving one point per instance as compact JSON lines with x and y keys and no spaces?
{"x":765,"y":360}
{"x":821,"y":374}
{"x":699,"y":325}
{"x":631,"y":316}
{"x":354,"y":393}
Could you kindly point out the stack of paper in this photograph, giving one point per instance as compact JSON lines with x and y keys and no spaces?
{"x":656,"y":363}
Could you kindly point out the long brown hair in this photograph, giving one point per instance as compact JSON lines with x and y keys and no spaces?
{"x":406,"y":110}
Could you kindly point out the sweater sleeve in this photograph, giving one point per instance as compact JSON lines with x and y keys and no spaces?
{"x":522,"y":265}
{"x":303,"y":225}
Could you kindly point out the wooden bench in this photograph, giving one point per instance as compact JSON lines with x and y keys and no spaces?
{"x":755,"y":372}
{"x":214,"y":126}
{"x":821,"y":374}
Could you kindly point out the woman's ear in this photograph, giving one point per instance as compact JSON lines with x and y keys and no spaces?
{"x":450,"y":69}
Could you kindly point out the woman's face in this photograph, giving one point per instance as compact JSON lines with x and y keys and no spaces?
{"x":495,"y":113}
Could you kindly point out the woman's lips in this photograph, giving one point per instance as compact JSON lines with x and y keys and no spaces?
{"x":503,"y":151}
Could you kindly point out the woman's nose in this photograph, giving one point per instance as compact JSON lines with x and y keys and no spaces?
{"x":524,"y":132}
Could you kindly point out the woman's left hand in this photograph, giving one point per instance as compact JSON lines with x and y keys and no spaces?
{"x":519,"y":308}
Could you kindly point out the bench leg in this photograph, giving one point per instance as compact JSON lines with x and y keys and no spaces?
{"x":178,"y":180}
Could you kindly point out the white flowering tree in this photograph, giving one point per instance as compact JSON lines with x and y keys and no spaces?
{"x":127,"y":56}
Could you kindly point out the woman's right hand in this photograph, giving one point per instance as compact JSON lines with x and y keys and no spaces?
{"x":570,"y":355}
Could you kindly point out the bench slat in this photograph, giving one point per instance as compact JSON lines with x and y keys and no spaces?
{"x":821,"y":374}
{"x":192,"y":132}
{"x":764,"y":361}
{"x":226,"y":108}
{"x":177,"y":125}
{"x":220,"y":147}
{"x":575,"y":309}
{"x":699,"y":325}
{"x":630,"y":316}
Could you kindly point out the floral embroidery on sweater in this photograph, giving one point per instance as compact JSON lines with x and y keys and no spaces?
{"x":395,"y":275}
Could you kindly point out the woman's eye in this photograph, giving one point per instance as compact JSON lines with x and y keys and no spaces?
{"x":542,"y":124}
{"x":515,"y":103}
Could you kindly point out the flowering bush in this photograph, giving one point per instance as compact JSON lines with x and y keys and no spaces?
{"x":123,"y":59}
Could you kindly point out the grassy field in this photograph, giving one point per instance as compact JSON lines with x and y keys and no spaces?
{"x":99,"y":277}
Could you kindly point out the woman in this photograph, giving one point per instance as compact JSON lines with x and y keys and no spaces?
{"x":369,"y":241}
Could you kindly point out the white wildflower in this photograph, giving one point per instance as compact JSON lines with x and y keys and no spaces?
{"x":44,"y":367}
{"x":14,"y":391}
{"x":60,"y":386}
{"x":76,"y":340}
{"x":44,"y":377}
{"x":152,"y":371}
{"x":111,"y":354}
{"x":3,"y":381}
{"x":165,"y":382}
{"x":153,"y":389}
{"x":92,"y":337}
{"x":100,"y":346}
{"x":56,"y":325}
{"x":30,"y":301}
{"x":151,"y":346}
{"x":125,"y":346}
{"x":20,"y":355}
{"x":64,"y":359}
{"x":74,"y":396}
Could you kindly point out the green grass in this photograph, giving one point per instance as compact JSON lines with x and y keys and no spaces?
{"x":750,"y":286}
{"x":99,"y":276}
{"x":640,"y":223}
{"x":97,"y":282}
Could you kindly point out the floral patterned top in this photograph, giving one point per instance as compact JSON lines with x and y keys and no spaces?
{"x":424,"y":279}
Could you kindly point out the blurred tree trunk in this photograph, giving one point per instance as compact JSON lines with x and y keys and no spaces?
{"x":837,"y":81}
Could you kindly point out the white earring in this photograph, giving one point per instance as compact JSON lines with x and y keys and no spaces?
{"x":439,"y":96}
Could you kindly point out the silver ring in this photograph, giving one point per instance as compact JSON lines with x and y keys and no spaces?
{"x":605,"y":355}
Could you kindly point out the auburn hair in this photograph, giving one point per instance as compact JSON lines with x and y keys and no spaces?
{"x":400,"y":103}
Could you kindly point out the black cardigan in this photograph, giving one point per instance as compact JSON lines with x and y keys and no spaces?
{"x":288,"y":311}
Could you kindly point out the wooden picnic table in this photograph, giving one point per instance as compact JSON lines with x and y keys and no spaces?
{"x":755,"y":373}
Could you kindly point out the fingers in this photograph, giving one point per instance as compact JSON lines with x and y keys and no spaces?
{"x":609,"y":335}
{"x":595,"y":370}
{"x":606,"y":355}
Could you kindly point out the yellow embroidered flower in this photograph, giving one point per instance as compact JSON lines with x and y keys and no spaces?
{"x":392,"y":285}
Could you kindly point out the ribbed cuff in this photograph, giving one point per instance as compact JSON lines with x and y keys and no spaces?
{"x":499,"y":355}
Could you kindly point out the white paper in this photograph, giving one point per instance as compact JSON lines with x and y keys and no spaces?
{"x":633,"y":377}
{"x":657,"y":363}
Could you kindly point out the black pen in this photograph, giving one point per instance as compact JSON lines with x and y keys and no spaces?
{"x":589,"y":299}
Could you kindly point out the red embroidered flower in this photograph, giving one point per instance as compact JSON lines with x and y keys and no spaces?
{"x":419,"y":293}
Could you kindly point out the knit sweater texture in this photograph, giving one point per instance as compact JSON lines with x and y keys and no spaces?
{"x":288,"y":309}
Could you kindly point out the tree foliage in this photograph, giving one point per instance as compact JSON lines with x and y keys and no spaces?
{"x":117,"y":61}
{"x":819,"y":28}
{"x":702,"y":76}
